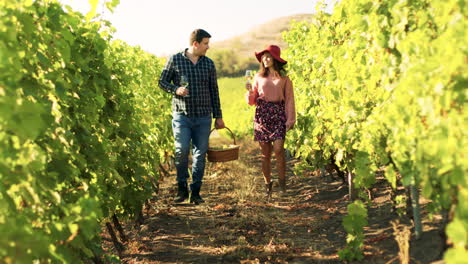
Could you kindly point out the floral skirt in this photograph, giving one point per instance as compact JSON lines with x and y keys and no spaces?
{"x":270,"y":121}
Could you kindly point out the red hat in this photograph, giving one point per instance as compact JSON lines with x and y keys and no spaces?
{"x":275,"y":52}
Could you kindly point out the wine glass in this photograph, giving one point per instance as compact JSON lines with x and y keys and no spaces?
{"x":184,"y":82}
{"x":248,"y":76}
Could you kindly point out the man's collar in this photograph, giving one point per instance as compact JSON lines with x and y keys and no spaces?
{"x":184,"y":53}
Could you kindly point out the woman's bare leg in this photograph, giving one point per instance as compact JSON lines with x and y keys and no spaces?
{"x":278,"y":148}
{"x":266,"y":160}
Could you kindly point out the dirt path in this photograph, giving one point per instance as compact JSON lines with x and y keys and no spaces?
{"x":238,"y":225}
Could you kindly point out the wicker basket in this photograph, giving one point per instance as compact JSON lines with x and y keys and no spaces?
{"x":226,"y":154}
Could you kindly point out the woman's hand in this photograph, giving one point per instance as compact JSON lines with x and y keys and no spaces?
{"x":289,"y":127}
{"x":248,"y":86}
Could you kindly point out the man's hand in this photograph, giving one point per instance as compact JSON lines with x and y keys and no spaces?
{"x":182,"y":91}
{"x":219,"y":123}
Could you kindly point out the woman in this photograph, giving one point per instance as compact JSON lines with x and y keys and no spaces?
{"x":272,"y":93}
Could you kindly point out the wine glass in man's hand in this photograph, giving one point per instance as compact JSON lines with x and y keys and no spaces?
{"x":184,"y":83}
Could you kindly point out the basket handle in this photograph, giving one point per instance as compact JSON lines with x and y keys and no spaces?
{"x":232,"y":134}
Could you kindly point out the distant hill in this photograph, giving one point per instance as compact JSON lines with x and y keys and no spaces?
{"x":260,"y":36}
{"x":233,"y":56}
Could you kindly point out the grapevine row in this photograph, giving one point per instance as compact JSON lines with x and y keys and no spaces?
{"x":381,"y":86}
{"x":83,"y":130}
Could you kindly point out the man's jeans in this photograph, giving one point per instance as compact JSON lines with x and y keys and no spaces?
{"x":197,"y":130}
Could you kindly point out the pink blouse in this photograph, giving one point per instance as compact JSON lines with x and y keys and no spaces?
{"x":274,"y":89}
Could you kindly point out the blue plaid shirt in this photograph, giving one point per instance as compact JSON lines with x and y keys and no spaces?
{"x":203,"y":85}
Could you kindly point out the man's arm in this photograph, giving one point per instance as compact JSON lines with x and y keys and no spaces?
{"x":167,"y":77}
{"x":214,"y":94}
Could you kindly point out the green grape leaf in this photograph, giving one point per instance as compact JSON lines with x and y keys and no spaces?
{"x":457,"y":232}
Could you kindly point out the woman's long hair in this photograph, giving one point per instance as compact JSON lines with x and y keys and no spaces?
{"x":278,"y":66}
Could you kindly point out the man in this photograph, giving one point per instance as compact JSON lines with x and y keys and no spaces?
{"x":192,"y":107}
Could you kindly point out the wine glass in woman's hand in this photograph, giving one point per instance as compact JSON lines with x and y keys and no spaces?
{"x":248,"y":79}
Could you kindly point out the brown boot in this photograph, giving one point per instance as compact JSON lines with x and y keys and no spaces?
{"x":269,"y":187}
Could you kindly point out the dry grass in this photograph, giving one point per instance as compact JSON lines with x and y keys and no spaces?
{"x":402,"y":235}
{"x":238,"y":180}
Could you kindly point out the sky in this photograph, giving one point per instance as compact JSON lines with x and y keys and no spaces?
{"x":162,"y":27}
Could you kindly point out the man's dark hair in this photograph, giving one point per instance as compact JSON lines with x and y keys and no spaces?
{"x":198,"y":35}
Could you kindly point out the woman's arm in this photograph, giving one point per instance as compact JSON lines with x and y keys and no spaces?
{"x":289,"y":104}
{"x":252,"y":94}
